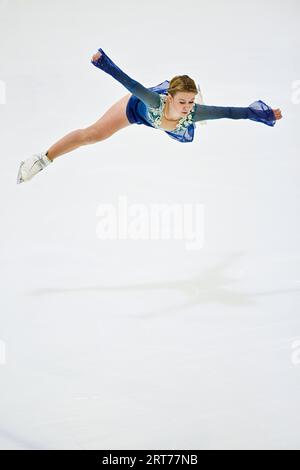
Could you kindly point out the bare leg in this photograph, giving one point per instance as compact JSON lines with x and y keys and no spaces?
{"x":67,"y":143}
{"x":113,"y":120}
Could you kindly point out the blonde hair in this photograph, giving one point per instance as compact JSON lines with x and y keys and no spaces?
{"x":182,"y":83}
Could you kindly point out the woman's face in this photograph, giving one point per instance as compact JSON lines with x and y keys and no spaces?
{"x":182,"y":102}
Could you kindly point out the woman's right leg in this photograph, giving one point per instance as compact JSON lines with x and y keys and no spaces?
{"x":113,"y":120}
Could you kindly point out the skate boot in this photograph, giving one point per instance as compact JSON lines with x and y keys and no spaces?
{"x":31,"y":166}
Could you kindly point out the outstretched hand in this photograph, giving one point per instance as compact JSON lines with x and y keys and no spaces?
{"x":277,"y":113}
{"x":96,"y":57}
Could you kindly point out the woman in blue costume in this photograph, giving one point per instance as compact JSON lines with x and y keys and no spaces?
{"x":169,"y":107}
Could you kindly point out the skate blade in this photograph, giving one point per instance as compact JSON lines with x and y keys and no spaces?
{"x":19,"y":177}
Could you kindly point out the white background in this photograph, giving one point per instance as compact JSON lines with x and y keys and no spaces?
{"x":143,"y":344}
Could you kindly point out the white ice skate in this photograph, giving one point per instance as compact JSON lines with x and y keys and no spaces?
{"x":31,"y":166}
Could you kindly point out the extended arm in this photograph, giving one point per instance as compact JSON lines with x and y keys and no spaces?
{"x":150,"y":98}
{"x":256,"y":111}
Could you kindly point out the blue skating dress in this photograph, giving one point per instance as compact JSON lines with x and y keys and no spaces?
{"x":146,"y":105}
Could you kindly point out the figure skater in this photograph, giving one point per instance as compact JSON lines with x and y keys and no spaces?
{"x":169,"y":107}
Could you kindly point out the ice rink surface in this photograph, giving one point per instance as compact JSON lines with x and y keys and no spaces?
{"x":143,"y":343}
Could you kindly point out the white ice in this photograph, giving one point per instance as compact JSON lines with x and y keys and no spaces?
{"x":144,"y":344}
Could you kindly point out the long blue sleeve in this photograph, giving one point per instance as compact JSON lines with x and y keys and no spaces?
{"x":257,"y":111}
{"x":150,"y":98}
